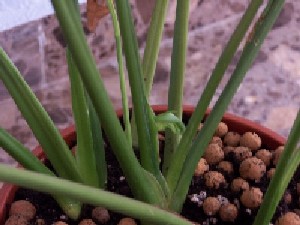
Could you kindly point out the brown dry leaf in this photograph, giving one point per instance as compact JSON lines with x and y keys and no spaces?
{"x":96,"y":9}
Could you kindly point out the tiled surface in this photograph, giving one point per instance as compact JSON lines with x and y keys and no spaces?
{"x":270,"y":93}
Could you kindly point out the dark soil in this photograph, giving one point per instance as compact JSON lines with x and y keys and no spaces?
{"x":193,"y":211}
{"x":48,"y":209}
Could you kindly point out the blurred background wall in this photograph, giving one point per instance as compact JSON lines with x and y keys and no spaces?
{"x":269,"y":95}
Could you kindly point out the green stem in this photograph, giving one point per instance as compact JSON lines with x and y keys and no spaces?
{"x":147,"y":134}
{"x":121,"y":70}
{"x":85,"y":156}
{"x":151,"y":53}
{"x":290,"y":158}
{"x":137,"y":179}
{"x":153,"y":42}
{"x":98,"y":145}
{"x":288,"y":163}
{"x":20,"y":153}
{"x":178,"y":63}
{"x":96,"y":130}
{"x":90,"y":195}
{"x":261,"y":29}
{"x":24,"y":156}
{"x":217,"y":74}
{"x":39,"y":121}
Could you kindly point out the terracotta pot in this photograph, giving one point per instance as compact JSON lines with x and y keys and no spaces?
{"x":269,"y":138}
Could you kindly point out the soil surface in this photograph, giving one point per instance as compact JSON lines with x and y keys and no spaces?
{"x":192,"y":209}
{"x":51,"y":212}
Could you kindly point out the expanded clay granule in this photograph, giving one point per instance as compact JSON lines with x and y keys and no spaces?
{"x":211,"y":206}
{"x":226,"y":166}
{"x":252,"y":198}
{"x":289,"y":218}
{"x":87,"y":222}
{"x":241,"y":153}
{"x":23,"y":208}
{"x":252,"y":168}
{"x":232,"y":139}
{"x":239,"y":184}
{"x":214,"y":179}
{"x":250,"y":140}
{"x":213,"y":154}
{"x":202,"y":167}
{"x":221,"y":130}
{"x":228,"y":212}
{"x":265,"y":155}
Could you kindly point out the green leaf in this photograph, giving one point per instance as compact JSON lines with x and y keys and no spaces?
{"x":121,"y":71}
{"x":147,"y":134}
{"x":285,"y":169}
{"x":39,"y":121}
{"x":178,"y":59}
{"x":151,"y":54}
{"x":178,"y":64}
{"x":252,"y":46}
{"x":73,"y":33}
{"x":146,"y":138}
{"x":20,"y":153}
{"x":90,"y":195}
{"x":98,"y":145}
{"x":153,"y":43}
{"x":96,"y":130}
{"x":25,"y":157}
{"x":170,"y":121}
{"x":85,"y":156}
{"x":226,"y":57}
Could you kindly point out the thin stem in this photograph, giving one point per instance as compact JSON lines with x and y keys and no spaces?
{"x":254,"y":42}
{"x":90,"y":195}
{"x":151,"y":53}
{"x":20,"y":153}
{"x":290,"y":158}
{"x":147,"y":142}
{"x":178,"y":64}
{"x":85,"y":156}
{"x":25,"y":157}
{"x":153,"y":42}
{"x":98,"y":145}
{"x":287,"y":165}
{"x":97,"y":137}
{"x":121,"y":70}
{"x":73,"y":33}
{"x":39,"y":121}
{"x":147,"y":133}
{"x":216,"y":76}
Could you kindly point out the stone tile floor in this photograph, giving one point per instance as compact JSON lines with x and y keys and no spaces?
{"x":269,"y":95}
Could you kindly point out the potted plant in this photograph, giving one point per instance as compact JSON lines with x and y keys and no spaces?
{"x":159,"y":184}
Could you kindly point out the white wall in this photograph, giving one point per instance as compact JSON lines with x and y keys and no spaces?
{"x":17,"y":12}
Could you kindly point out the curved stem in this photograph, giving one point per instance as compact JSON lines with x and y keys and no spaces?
{"x":178,"y":64}
{"x":72,"y":29}
{"x":144,"y":117}
{"x":252,"y":46}
{"x":144,"y":124}
{"x":152,"y":43}
{"x":89,"y":195}
{"x":217,"y":75}
{"x":28,"y":160}
{"x":38,"y":120}
{"x":116,"y":26}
